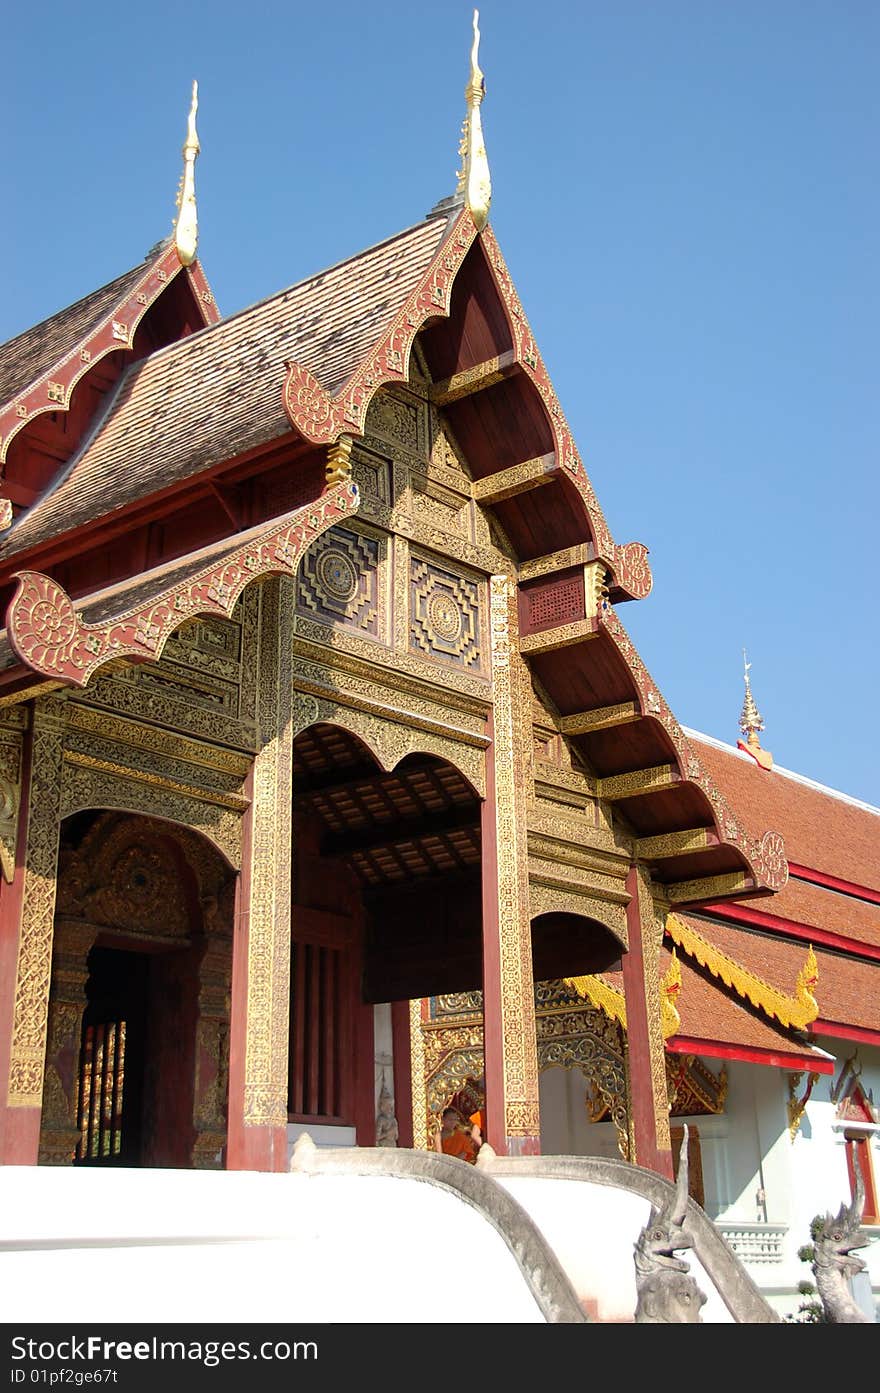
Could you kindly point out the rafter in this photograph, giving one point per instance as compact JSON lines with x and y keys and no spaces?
{"x":475,"y":379}
{"x":385,"y":834}
{"x":601,"y":718}
{"x":519,"y":478}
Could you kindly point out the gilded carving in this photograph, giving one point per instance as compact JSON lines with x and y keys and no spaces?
{"x":563,"y":899}
{"x":445,"y":615}
{"x":563,"y":560}
{"x":10,"y":798}
{"x":795,"y":1011}
{"x":562,"y":636}
{"x":652,"y":937}
{"x":341,"y":581}
{"x":356,"y":683}
{"x":33,"y":974}
{"x":417,"y":1073}
{"x":512,"y":766}
{"x":85,"y":786}
{"x":389,"y":741}
{"x":268,"y":990}
{"x":519,"y":478}
{"x":393,"y":418}
{"x":346,"y":644}
{"x":50,"y":636}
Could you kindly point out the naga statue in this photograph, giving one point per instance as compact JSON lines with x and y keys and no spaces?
{"x":666,"y":1294}
{"x":833,"y":1260}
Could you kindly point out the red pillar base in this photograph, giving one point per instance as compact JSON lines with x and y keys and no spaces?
{"x":257,"y":1149}
{"x":523,"y":1146}
{"x":20,"y":1136}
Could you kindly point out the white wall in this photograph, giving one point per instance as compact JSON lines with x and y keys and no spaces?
{"x":216,"y":1247}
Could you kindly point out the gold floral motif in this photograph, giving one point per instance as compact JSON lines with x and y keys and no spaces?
{"x":268,"y":989}
{"x":33,"y":974}
{"x":652,"y":937}
{"x":512,"y":752}
{"x":389,"y":741}
{"x":96,"y":787}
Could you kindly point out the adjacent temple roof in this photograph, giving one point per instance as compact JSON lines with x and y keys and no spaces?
{"x":216,"y":394}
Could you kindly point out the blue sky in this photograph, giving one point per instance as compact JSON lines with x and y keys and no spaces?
{"x":686,"y":194}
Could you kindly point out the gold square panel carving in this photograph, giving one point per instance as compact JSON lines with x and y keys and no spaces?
{"x":445,"y":615}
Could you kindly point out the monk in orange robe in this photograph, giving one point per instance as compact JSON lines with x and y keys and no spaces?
{"x":454,"y":1139}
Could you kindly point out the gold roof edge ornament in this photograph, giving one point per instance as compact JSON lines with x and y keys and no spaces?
{"x":609,"y":999}
{"x":186,"y":224}
{"x":474,"y":181}
{"x":794,"y":1012}
{"x":751,"y":722}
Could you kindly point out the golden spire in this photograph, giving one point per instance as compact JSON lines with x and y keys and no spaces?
{"x":186,"y":225}
{"x":473,"y":180}
{"x":751,"y":722}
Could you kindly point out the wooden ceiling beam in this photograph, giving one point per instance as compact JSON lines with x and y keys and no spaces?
{"x":638,"y":782}
{"x":713,"y":887}
{"x":519,"y":478}
{"x":581,"y":631}
{"x":676,"y":843}
{"x":565,"y":560}
{"x":475,"y":379}
{"x":384,"y":835}
{"x":601,"y":718}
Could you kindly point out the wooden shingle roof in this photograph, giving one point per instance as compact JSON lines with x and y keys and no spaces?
{"x":217,"y":394}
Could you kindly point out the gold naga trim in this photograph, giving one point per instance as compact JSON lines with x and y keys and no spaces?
{"x":186,"y":225}
{"x":795,"y":1012}
{"x":606,"y":998}
{"x":474,"y":180}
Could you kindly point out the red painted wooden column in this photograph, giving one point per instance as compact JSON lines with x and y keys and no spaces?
{"x":648,"y":1101}
{"x":19,"y":1127}
{"x":402,"y":1051}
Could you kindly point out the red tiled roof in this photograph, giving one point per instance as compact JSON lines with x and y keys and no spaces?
{"x":218,"y":393}
{"x":820,"y":908}
{"x":822,"y":831}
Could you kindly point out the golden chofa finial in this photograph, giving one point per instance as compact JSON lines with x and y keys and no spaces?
{"x":474,"y":180}
{"x":751,"y":722}
{"x":186,"y":226}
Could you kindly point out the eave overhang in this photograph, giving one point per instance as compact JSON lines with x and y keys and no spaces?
{"x":68,"y":642}
{"x":814,"y":1061}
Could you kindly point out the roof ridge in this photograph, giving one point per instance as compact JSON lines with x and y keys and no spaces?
{"x":787,"y":773}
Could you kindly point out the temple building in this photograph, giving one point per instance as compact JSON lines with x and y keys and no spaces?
{"x":329,"y":767}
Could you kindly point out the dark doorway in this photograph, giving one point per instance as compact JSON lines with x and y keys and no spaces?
{"x":112,"y":1059}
